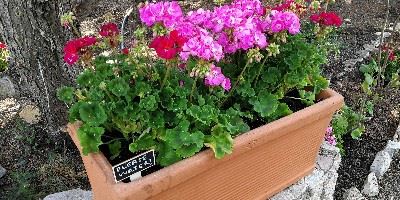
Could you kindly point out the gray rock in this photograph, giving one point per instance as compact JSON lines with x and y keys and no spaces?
{"x":6,"y":88}
{"x":385,"y":34}
{"x":353,"y":194}
{"x":8,"y":109}
{"x":370,"y":47}
{"x":363,"y":53}
{"x":329,"y":186}
{"x":397,"y":27}
{"x":371,"y":186}
{"x":284,"y":195}
{"x":381,"y":163}
{"x":392,"y":148}
{"x":71,"y":195}
{"x":2,"y":171}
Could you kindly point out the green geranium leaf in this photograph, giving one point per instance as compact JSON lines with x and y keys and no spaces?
{"x":167,"y":155}
{"x":86,"y":79}
{"x":144,"y":142}
{"x":265,"y":104}
{"x":186,"y":144}
{"x":340,"y":125}
{"x":204,"y":114}
{"x":90,"y":138}
{"x":273,"y":75}
{"x":320,"y":83}
{"x":356,"y":134}
{"x":142,"y":88}
{"x":92,"y":113}
{"x":119,"y":87}
{"x":246,"y":90}
{"x":66,"y":94}
{"x":73,"y":112}
{"x":96,"y":94}
{"x":148,"y":103}
{"x":220,"y":141}
{"x":282,"y":110}
{"x":201,"y":100}
{"x":115,"y":149}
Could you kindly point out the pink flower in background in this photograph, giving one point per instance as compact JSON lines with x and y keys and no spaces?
{"x":284,"y":21}
{"x":329,"y":137}
{"x":109,"y":30}
{"x":203,"y":46}
{"x":226,"y":29}
{"x":226,"y":84}
{"x":168,"y":13}
{"x":216,"y":78}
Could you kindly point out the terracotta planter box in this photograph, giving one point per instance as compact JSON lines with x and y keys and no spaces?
{"x":264,"y":161}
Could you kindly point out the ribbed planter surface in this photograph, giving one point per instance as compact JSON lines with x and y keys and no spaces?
{"x":264,"y":161}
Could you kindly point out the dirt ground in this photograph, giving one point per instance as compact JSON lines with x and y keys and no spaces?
{"x":366,"y":18}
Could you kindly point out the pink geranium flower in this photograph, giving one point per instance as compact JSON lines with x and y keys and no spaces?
{"x":216,"y":78}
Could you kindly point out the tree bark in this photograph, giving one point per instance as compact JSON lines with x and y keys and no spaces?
{"x":35,"y":38}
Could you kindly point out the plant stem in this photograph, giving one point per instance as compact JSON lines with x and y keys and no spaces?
{"x":381,"y":42}
{"x":237,"y":82}
{"x":75,"y":30}
{"x":166,"y":75}
{"x":259,"y":71}
{"x":240,"y":76}
{"x":193,"y":87}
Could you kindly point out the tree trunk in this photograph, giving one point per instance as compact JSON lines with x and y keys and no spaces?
{"x":35,"y":37}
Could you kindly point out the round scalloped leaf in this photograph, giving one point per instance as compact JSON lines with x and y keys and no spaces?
{"x":92,"y":114}
{"x":119,"y":87}
{"x":66,"y":94}
{"x":90,"y":138}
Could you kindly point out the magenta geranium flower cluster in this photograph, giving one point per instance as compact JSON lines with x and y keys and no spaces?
{"x":211,"y":34}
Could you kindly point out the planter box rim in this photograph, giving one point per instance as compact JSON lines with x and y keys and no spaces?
{"x":181,"y":171}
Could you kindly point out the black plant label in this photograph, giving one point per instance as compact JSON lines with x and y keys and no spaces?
{"x":136,"y":164}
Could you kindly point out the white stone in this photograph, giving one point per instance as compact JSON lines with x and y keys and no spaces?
{"x":363,"y":53}
{"x":371,"y":186}
{"x":284,"y":195}
{"x":328,"y":149}
{"x":370,"y":47}
{"x":397,"y":28}
{"x":329,"y":186}
{"x":7,"y":89}
{"x":70,"y":195}
{"x":298,"y":189}
{"x":8,"y":109}
{"x":30,"y":114}
{"x":353,"y":194}
{"x":2,"y":171}
{"x":385,"y":34}
{"x":392,"y":148}
{"x":325,"y":163}
{"x":381,"y":163}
